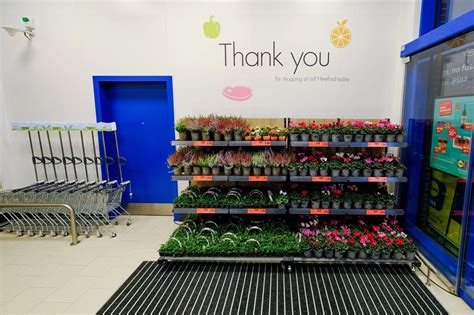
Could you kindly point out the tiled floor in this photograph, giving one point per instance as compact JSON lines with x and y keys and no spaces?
{"x":47,"y":276}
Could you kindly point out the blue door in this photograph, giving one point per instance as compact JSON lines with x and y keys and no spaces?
{"x":142,"y":107}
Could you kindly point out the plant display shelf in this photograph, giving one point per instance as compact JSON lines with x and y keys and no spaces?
{"x":229,"y":143}
{"x":205,"y":178}
{"x":230,"y":210}
{"x":288,"y":262}
{"x":325,"y":144}
{"x":361,"y":212}
{"x":343,"y":179}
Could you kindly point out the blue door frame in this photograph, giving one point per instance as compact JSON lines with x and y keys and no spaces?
{"x":446,"y":263}
{"x":101,"y":103}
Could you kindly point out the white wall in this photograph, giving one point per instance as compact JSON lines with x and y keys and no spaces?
{"x":50,"y":77}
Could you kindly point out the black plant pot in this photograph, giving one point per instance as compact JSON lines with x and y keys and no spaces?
{"x":362,"y":254}
{"x":325,"y":137}
{"x":313,"y":172}
{"x":294,"y":137}
{"x":196,"y":170}
{"x":183,"y":135}
{"x":276,"y":171}
{"x":379,"y":138}
{"x":206,"y":136}
{"x":216,"y":170}
{"x":367,"y":172}
{"x":355,"y":173}
{"x":195,"y":135}
{"x":389,"y":173}
{"x":351,"y":254}
{"x":206,"y":170}
{"x":399,"y":172}
{"x":345,"y":172}
{"x":338,"y":254}
{"x":303,"y":172}
{"x":359,"y":138}
{"x":348,"y":138}
{"x":187,"y":170}
{"x":257,"y":171}
{"x":228,"y":136}
{"x":385,"y":255}
{"x":294,"y":203}
{"x":323,"y":172}
{"x":368,"y":138}
{"x":267,"y":171}
{"x":374,"y":256}
{"x":238,"y":136}
{"x":227,"y":170}
{"x":315,"y":137}
{"x":391,"y":138}
{"x":238,"y":171}
{"x":378,"y":172}
{"x":329,"y":253}
{"x":304,"y":137}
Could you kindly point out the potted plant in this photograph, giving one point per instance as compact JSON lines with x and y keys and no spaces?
{"x":328,"y":247}
{"x":335,"y":166}
{"x":324,"y":167}
{"x":357,"y":201}
{"x":205,"y":127}
{"x":315,"y":199}
{"x":282,"y":199}
{"x":325,"y":198}
{"x":348,"y":131}
{"x":239,"y":126}
{"x":340,"y":249}
{"x":318,"y":247}
{"x":352,"y":250}
{"x":267,"y":168}
{"x":274,"y":133}
{"x":389,"y":201}
{"x":302,"y":169}
{"x":283,"y":134}
{"x":180,"y":127}
{"x":258,"y":162}
{"x":314,"y":132}
{"x":307,"y":249}
{"x":400,"y":134}
{"x":368,"y":130}
{"x":228,"y":162}
{"x":410,"y":249}
{"x":313,"y":168}
{"x":377,"y":167}
{"x":304,"y":199}
{"x":391,"y":133}
{"x":195,"y":128}
{"x":385,"y":250}
{"x":175,"y":161}
{"x":389,"y":169}
{"x":335,"y":131}
{"x":379,"y":201}
{"x":293,"y":168}
{"x":368,"y":201}
{"x":336,"y":201}
{"x":367,"y":167}
{"x":295,"y":130}
{"x":294,"y":199}
{"x":248,"y":134}
{"x":400,"y":170}
{"x":358,"y":130}
{"x":380,"y":131}
{"x":355,"y":166}
{"x":347,"y":200}
{"x":324,"y":131}
{"x":374,"y":250}
{"x":203,"y":162}
{"x":346,"y":167}
{"x":265,"y":133}
{"x":213,"y":163}
{"x":304,"y":133}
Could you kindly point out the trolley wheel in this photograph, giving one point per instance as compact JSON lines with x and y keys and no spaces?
{"x":19,"y":233}
{"x":99,"y":234}
{"x":31,"y":233}
{"x":116,"y":222}
{"x":289,"y":268}
{"x":41,"y":234}
{"x":113,"y":234}
{"x":283,"y":266}
{"x":86,"y":234}
{"x":53,"y":233}
{"x":129,"y":222}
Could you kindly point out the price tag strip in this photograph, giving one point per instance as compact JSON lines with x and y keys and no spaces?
{"x":202,"y":178}
{"x":377,"y":179}
{"x":256,"y":211}
{"x":318,"y":144}
{"x":261,"y":143}
{"x":374,"y":212}
{"x":203,"y":143}
{"x":377,"y":144}
{"x":318,"y":211}
{"x":321,"y":179}
{"x":206,"y":210}
{"x":258,"y":178}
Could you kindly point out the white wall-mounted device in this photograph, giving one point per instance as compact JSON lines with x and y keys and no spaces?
{"x":28,"y":28}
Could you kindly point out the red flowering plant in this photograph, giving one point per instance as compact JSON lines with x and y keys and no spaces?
{"x":314,"y":128}
{"x":298,"y":128}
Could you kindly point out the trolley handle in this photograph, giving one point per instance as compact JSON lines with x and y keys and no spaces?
{"x":75,"y":160}
{"x":122,"y":160}
{"x":88,"y":160}
{"x":37,"y":160}
{"x":47,"y":160}
{"x":55,"y":160}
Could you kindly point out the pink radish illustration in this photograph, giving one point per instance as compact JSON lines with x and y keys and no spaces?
{"x":237,"y":93}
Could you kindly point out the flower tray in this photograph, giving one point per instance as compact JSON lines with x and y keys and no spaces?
{"x":347,"y":211}
{"x":257,"y":143}
{"x":201,"y":143}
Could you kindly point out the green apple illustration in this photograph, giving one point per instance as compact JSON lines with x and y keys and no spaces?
{"x":211,"y":28}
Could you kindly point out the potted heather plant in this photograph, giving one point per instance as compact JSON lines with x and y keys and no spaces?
{"x":194,"y":127}
{"x":340,"y":249}
{"x":240,"y":126}
{"x":315,"y":199}
{"x":203,"y":162}
{"x":188,"y":161}
{"x":180,"y":127}
{"x":228,"y":161}
{"x":205,"y":127}
{"x":282,"y":199}
{"x":175,"y":161}
{"x":246,"y":162}
{"x":258,"y":162}
{"x":213,"y":163}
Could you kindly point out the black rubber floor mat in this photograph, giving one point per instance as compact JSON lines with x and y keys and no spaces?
{"x":251,"y":288}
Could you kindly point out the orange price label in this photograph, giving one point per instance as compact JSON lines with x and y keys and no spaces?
{"x":319,"y":211}
{"x":256,"y":211}
{"x":202,"y":178}
{"x":203,"y":143}
{"x":318,"y":144}
{"x":206,"y":210}
{"x":375,"y":212}
{"x":321,"y":179}
{"x":261,"y":143}
{"x":377,"y":145}
{"x":258,"y":178}
{"x":377,"y":179}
